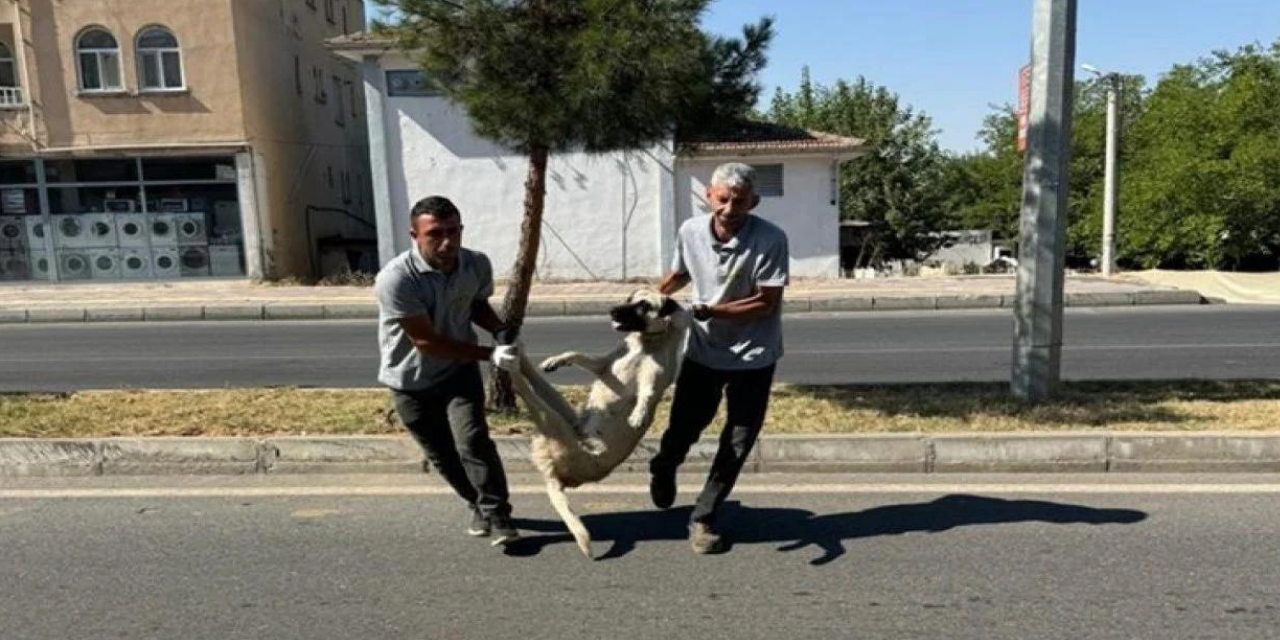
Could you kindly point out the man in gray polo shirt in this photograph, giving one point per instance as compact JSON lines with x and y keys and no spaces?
{"x":428,"y":298}
{"x":737,"y":264}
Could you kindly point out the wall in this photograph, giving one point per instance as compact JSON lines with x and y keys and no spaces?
{"x":598,"y":208}
{"x":312,"y":163}
{"x":209,"y":111}
{"x":805,"y":211}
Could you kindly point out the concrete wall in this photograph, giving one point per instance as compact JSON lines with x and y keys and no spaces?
{"x":806,"y":210}
{"x":209,"y":111}
{"x":303,"y":150}
{"x":598,"y":208}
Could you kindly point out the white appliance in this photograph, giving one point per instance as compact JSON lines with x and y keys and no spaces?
{"x":164,"y":230}
{"x":69,"y":232}
{"x":135,"y":264}
{"x":119,"y":205}
{"x":192,"y":229}
{"x":101,"y":228}
{"x":13,"y":233}
{"x":74,"y":265}
{"x":14,"y":265}
{"x":174,"y":204}
{"x":104,"y":264}
{"x":195,"y":261}
{"x":131,"y":229}
{"x":226,"y":260}
{"x":164,"y":262}
{"x":36,"y":232}
{"x":40,"y":267}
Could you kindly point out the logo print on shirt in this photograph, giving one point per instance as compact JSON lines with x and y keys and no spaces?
{"x":749,"y":356}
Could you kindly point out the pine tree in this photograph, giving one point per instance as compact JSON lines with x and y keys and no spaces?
{"x":547,"y":76}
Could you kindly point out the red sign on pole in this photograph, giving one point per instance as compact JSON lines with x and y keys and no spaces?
{"x":1024,"y":106}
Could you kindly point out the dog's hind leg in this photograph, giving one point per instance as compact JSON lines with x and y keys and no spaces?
{"x":555,"y":491}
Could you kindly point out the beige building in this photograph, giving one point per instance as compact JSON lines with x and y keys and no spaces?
{"x":156,"y":139}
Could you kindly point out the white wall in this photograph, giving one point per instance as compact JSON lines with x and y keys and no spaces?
{"x":598,"y":208}
{"x":805,"y":210}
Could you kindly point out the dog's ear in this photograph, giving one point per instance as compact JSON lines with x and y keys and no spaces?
{"x":669,"y":306}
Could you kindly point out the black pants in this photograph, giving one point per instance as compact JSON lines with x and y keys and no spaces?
{"x":697,"y":396}
{"x":448,"y":421}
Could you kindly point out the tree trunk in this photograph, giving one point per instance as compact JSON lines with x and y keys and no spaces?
{"x":501,"y":396}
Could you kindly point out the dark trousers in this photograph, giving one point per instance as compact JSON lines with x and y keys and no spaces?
{"x":697,"y":396}
{"x":448,"y":421}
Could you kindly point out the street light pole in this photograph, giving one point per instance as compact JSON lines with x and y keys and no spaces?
{"x":1111,"y":184}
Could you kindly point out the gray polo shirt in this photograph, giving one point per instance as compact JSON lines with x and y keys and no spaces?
{"x":408,"y":286}
{"x":725,"y":271}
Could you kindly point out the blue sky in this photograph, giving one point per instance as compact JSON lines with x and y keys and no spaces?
{"x":954,"y":58}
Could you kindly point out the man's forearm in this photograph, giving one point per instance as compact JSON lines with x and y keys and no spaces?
{"x":744,"y":309}
{"x":484,"y":316}
{"x":672,"y":283}
{"x":447,"y":349}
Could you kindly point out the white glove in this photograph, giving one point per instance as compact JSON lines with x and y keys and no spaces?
{"x":506,"y":357}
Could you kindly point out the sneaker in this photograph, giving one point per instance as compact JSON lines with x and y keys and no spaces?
{"x":479,"y":527}
{"x":662,"y":488}
{"x":704,"y":539}
{"x":503,"y":531}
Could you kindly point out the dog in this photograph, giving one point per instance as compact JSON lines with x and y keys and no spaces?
{"x":571,"y":448}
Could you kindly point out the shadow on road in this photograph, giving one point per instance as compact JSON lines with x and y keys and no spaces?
{"x":796,"y":529}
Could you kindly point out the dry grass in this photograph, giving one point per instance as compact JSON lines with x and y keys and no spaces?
{"x":1143,"y":406}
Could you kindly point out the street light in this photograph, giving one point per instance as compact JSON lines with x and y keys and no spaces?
{"x":1112,"y":173}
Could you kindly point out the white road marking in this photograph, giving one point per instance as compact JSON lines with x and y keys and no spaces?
{"x":757,"y":489}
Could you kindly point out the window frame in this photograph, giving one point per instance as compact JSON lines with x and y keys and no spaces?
{"x":7,"y":58}
{"x":159,"y":52}
{"x":98,"y":54}
{"x":768,"y":192}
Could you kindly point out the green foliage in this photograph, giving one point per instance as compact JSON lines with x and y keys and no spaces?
{"x":1199,"y":159}
{"x":897,"y":188}
{"x":593,"y":75}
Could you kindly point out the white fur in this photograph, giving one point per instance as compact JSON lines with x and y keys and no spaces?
{"x":572,"y":448}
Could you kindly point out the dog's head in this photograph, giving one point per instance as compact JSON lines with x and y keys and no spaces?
{"x":646,"y":311}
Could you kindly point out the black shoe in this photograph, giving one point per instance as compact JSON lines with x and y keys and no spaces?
{"x":662,"y":488}
{"x":704,"y":539}
{"x":479,"y":527}
{"x":503,"y":531}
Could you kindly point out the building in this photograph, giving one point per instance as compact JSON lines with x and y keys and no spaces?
{"x":611,"y":216}
{"x":157,"y":139}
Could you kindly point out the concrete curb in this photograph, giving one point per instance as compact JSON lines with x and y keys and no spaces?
{"x":562,"y":308}
{"x":1198,"y":452}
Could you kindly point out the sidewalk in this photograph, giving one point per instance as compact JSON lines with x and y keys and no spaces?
{"x":1091,"y":452}
{"x":243,"y":300}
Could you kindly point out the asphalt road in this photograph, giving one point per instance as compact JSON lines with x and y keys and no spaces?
{"x":1129,"y":343}
{"x":1007,"y":558}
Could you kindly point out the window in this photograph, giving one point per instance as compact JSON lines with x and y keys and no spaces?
{"x":8,"y":68}
{"x":159,"y":60}
{"x":328,"y":10}
{"x":98,"y":58}
{"x":297,"y":75}
{"x":408,"y":83}
{"x":355,"y":111}
{"x":311,"y":3}
{"x":768,"y":180}
{"x":345,"y":29}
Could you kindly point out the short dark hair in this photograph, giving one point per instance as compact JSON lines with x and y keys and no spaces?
{"x":438,"y":207}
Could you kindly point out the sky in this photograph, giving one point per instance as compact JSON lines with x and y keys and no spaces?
{"x":953,"y":59}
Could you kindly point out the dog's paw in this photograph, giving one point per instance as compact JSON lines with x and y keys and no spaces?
{"x":637,"y":420}
{"x":552,"y":363}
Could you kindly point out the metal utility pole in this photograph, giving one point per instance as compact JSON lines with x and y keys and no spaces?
{"x":1037,"y":349}
{"x":1112,"y":190}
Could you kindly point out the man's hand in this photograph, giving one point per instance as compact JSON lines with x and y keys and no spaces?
{"x":506,"y":357}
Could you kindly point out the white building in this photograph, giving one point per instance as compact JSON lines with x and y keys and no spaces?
{"x":610,"y":216}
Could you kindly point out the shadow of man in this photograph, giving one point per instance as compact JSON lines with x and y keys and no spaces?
{"x":798,"y":529}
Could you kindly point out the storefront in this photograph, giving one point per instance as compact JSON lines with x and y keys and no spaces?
{"x":120,"y":218}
